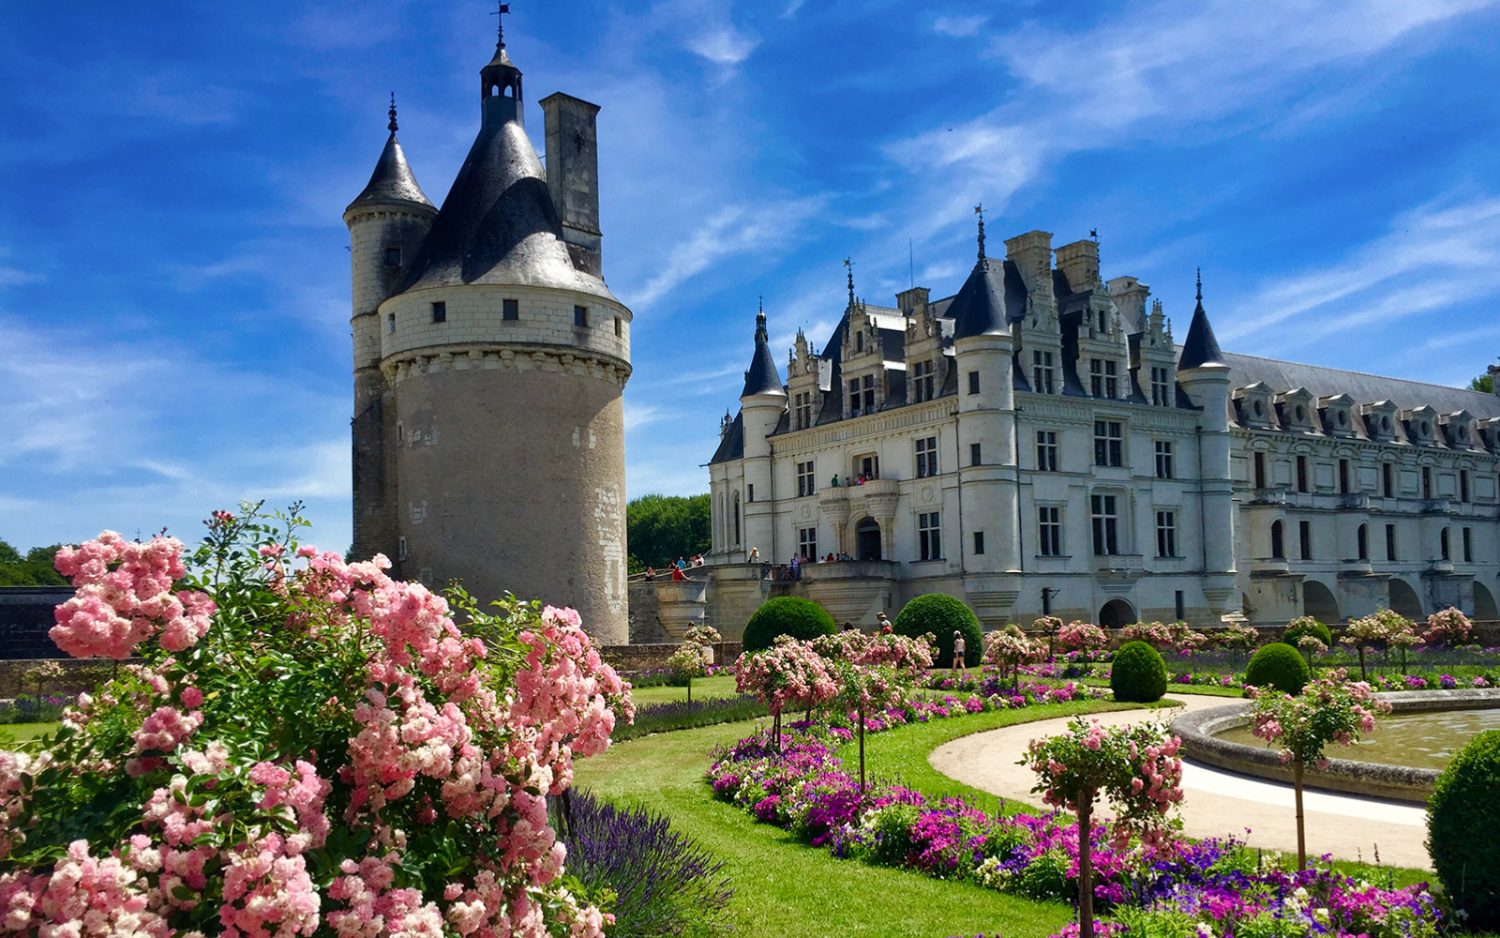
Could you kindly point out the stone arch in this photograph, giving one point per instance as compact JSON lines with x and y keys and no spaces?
{"x":1484,"y":602}
{"x":1405,"y":600}
{"x":1278,"y":540}
{"x":1116,"y":614}
{"x":1319,"y":602}
{"x":867,"y":539}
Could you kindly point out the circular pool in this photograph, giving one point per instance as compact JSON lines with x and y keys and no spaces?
{"x":1421,"y":739}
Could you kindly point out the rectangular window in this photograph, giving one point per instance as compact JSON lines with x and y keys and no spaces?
{"x":1166,"y":534}
{"x":390,"y":323}
{"x":1260,"y":470}
{"x":1302,"y":473}
{"x":802,"y":411}
{"x":929,"y":536}
{"x":1103,"y":379}
{"x":1390,"y":542}
{"x":1426,"y":482}
{"x":1043,"y":380}
{"x":1362,"y":543}
{"x":867,"y":467}
{"x":750,"y":492}
{"x":619,"y":328}
{"x":1181,"y":607}
{"x":1444,"y":549}
{"x":978,"y":542}
{"x":1049,"y":531}
{"x":922,"y":382}
{"x":867,"y":385}
{"x":1109,"y":446}
{"x":1164,"y":467}
{"x":1463,"y":485}
{"x":1161,"y":386}
{"x":440,"y":312}
{"x":807,"y":543}
{"x":1304,"y":537}
{"x":510,"y":310}
{"x":581,"y":317}
{"x":1106,"y":524}
{"x":1343,"y":477}
{"x":853,"y":396}
{"x":401,"y":548}
{"x":805,"y":483}
{"x":927,"y":457}
{"x":1468,"y":545}
{"x":1046,"y":450}
{"x":974,"y":454}
{"x":393,"y":256}
{"x":1387,"y":480}
{"x":973,"y":382}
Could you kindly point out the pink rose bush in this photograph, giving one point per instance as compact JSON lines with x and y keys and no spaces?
{"x":1163,"y":636}
{"x":1007,"y":649}
{"x":1082,"y":636}
{"x":1448,"y":627}
{"x":310,"y":747}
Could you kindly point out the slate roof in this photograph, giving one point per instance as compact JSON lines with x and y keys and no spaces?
{"x":989,"y":301}
{"x":762,"y":376}
{"x":1200,"y":347}
{"x":393,"y":179}
{"x":732,"y":444}
{"x":1363,"y":388}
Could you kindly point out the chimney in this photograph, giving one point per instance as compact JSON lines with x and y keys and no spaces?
{"x":573,"y":175}
{"x":1130,"y":295}
{"x":1032,"y":255}
{"x":912,"y":302}
{"x":1079,"y":263}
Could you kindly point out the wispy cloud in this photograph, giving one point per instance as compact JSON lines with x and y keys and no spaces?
{"x":179,"y":100}
{"x":16,"y":277}
{"x":723,"y":44}
{"x":958,"y":26}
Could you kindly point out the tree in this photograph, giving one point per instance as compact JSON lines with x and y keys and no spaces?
{"x":33,"y":569}
{"x":661,"y":528}
{"x":1485,"y":384}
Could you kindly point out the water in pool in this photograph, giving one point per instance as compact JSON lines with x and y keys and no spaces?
{"x":1422,"y":740}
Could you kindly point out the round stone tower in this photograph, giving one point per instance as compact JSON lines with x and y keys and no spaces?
{"x":502,"y":357}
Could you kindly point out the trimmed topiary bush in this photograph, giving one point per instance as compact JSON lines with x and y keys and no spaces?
{"x":1138,"y":673}
{"x":1463,"y":831}
{"x":1278,"y":665}
{"x":942,"y":615}
{"x":1307,"y":625}
{"x":800,"y":618}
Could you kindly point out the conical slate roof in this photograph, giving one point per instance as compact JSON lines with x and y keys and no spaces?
{"x":762,"y":378}
{"x":498,"y":224}
{"x":1200,"y":347}
{"x":982,"y":305}
{"x":392,"y":179}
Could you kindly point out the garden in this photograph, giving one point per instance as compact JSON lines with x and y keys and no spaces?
{"x":302,"y":745}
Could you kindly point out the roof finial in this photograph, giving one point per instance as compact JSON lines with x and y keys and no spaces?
{"x":760,"y":323}
{"x":1200,"y":286}
{"x":849,"y":266}
{"x":979,"y":210}
{"x":500,"y":20}
{"x":392,"y":112}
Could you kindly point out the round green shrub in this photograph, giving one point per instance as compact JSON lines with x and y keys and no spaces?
{"x":1307,"y":625}
{"x":1463,"y":831}
{"x":1138,"y":673}
{"x":1278,"y":665}
{"x":942,"y":615}
{"x":800,"y":618}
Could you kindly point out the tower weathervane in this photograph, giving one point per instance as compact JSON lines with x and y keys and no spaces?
{"x":1200,"y":285}
{"x":979,"y":210}
{"x":392,"y":112}
{"x":500,"y":21}
{"x":849,"y":266}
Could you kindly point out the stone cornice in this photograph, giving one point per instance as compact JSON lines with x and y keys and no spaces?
{"x":510,"y":357}
{"x":869,"y":426}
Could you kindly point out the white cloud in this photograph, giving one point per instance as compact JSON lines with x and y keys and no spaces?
{"x":957,"y":26}
{"x":16,"y":277}
{"x":791,"y":8}
{"x":723,"y":44}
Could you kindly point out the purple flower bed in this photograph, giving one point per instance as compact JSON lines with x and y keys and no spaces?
{"x":1186,"y":888}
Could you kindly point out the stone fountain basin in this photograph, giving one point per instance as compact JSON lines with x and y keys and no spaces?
{"x":1201,"y":743}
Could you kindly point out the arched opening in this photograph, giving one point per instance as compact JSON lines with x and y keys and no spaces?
{"x":1484,"y":603}
{"x":867,"y":539}
{"x":1116,"y":614}
{"x":1404,"y":600}
{"x":1363,"y":542}
{"x":736,"y":519}
{"x":1319,"y":602}
{"x":1278,"y":541}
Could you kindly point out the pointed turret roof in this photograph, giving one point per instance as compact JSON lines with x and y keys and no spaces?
{"x":989,"y":300}
{"x":762,"y":377}
{"x":393,"y":179}
{"x":1200,"y":347}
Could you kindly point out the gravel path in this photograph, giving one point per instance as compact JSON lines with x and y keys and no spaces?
{"x":1216,"y":802}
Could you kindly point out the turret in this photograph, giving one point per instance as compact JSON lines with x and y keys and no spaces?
{"x":762,"y":403}
{"x":387,"y":222}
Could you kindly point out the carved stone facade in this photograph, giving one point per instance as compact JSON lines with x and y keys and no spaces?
{"x":1039,"y":443}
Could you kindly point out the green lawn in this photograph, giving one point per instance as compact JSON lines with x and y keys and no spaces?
{"x":20,"y":732}
{"x":782,"y":886}
{"x":720,"y":685}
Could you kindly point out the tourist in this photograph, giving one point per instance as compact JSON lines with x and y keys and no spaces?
{"x":796,"y":567}
{"x":697,"y":560}
{"x":835,"y":480}
{"x":960,"y":648}
{"x":677,"y":574}
{"x":650,"y":573}
{"x":882,"y":623}
{"x":848,"y":626}
{"x":681,"y":564}
{"x":754,"y":555}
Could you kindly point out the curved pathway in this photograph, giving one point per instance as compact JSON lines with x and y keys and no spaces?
{"x":1215,"y":802}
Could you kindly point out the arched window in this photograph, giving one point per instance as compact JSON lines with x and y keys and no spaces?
{"x":1362,"y":538}
{"x":736,"y":519}
{"x":1278,"y":546}
{"x":1443,"y":544}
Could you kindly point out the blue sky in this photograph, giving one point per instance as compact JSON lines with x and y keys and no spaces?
{"x":174,"y":283}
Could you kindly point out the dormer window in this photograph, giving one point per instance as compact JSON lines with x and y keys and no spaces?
{"x":1103,"y":379}
{"x":1161,"y":386}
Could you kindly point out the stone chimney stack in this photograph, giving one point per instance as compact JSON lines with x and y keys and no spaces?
{"x":1130,"y":295}
{"x":1494,"y":372}
{"x":1032,"y":255}
{"x":1079,"y":263}
{"x":912,"y":302}
{"x":573,"y":175}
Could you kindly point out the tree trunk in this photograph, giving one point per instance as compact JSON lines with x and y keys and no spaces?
{"x":1363,"y":676}
{"x":690,"y":690}
{"x":1085,"y":866}
{"x":861,"y":750}
{"x":1297,"y":793}
{"x":776,"y":731}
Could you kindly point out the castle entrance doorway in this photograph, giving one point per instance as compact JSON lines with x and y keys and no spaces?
{"x":1116,"y":614}
{"x":867,"y":540}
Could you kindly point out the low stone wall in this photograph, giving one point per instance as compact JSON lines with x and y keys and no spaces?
{"x":1397,"y":783}
{"x":654,"y":655}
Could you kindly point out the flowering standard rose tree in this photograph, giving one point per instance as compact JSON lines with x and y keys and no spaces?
{"x":787,"y":676}
{"x":1135,"y":767}
{"x":685,"y":664}
{"x":1082,"y":636}
{"x":1448,"y":627}
{"x":1005,"y":650}
{"x":1329,"y":710}
{"x":310,"y":747}
{"x":1051,"y":626}
{"x":1381,"y":629}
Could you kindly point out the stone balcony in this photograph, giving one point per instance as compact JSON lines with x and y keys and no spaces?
{"x":1355,"y":501}
{"x":1276,"y":496}
{"x":1437,"y":506}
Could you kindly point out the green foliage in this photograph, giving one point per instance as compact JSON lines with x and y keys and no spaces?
{"x":1138,"y":673}
{"x":1484,"y":384}
{"x":33,"y":569}
{"x":942,"y":615}
{"x":1463,"y":831}
{"x":800,"y":618}
{"x":1306,"y":625}
{"x":667,"y":717}
{"x":661,"y":528}
{"x":1278,"y":665}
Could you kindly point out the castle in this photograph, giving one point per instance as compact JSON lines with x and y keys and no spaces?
{"x":489,"y":363}
{"x":1038,"y":443}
